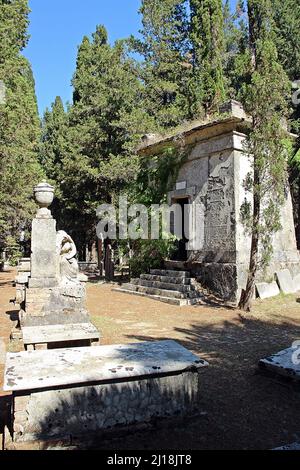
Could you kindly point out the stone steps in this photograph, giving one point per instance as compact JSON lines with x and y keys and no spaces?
{"x":167,"y":300}
{"x":174,"y":287}
{"x":163,"y":285}
{"x":166,"y":272}
{"x":161,"y":292}
{"x":166,"y":279}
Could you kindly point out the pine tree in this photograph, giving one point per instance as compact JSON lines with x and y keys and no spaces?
{"x":19,"y":126}
{"x":208,"y":45}
{"x":265,"y":98}
{"x":166,"y":69}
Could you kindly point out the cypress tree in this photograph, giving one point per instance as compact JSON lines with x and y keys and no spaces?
{"x":19,"y":126}
{"x":54,"y":128}
{"x":236,"y":44}
{"x":208,"y":46}
{"x":166,"y":68}
{"x":265,"y":98}
{"x":287,"y":27}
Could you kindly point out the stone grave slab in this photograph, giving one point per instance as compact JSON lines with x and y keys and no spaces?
{"x":47,"y":334}
{"x":41,"y":369}
{"x":285,"y":363}
{"x":297,"y":283}
{"x":266,"y":290}
{"x":84,"y":391}
{"x":285,"y":281}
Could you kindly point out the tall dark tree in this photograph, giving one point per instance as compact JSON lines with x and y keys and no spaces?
{"x":19,"y":125}
{"x":166,"y":68}
{"x":287,"y":27}
{"x":265,"y":98}
{"x":208,"y":46}
{"x":53,"y":142}
{"x":105,"y":123}
{"x":236,"y":44}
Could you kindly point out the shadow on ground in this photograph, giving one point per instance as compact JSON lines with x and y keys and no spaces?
{"x":238,"y":408}
{"x":245,"y":410}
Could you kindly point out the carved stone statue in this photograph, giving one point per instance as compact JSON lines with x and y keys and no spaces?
{"x":68,"y":270}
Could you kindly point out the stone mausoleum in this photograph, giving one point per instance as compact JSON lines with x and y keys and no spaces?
{"x":210,"y":180}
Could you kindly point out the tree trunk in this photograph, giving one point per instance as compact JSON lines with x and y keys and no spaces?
{"x":247,"y":295}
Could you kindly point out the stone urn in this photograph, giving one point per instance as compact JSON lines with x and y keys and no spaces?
{"x":44,"y":195}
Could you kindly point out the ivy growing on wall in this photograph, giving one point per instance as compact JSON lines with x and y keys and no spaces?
{"x":156,"y":177}
{"x":158,"y":174}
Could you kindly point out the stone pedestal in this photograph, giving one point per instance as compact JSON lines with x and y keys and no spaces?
{"x":43,"y":256}
{"x":53,"y":300}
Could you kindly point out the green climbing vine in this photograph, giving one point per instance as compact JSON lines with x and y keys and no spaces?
{"x":156,"y":177}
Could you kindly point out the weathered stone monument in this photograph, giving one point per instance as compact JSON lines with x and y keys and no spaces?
{"x":53,"y":297}
{"x":64,"y":395}
{"x":68,"y":397}
{"x":210,"y":183}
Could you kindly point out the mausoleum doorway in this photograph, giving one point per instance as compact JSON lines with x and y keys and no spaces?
{"x":181,"y":254}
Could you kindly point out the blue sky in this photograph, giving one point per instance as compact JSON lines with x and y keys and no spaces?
{"x":57,"y":28}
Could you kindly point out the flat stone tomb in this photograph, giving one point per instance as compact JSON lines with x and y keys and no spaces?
{"x":43,"y":369}
{"x":286,"y":363}
{"x":48,"y":334}
{"x":79,"y":391}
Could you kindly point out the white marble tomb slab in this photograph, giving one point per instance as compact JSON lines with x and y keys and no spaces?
{"x":52,"y":368}
{"x":59,"y":333}
{"x":286,"y":363}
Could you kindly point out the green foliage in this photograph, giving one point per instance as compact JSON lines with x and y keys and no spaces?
{"x":208,"y":45}
{"x":166,"y":68}
{"x":90,"y":150}
{"x":236,"y":47}
{"x":265,"y":96}
{"x":150,"y":254}
{"x":53,"y":139}
{"x":157,"y":175}
{"x":19,"y":126}
{"x":287,"y":27}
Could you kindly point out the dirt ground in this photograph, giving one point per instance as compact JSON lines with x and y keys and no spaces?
{"x":239,"y":407}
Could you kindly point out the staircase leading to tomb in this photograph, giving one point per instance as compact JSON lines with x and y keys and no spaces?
{"x":170,"y":286}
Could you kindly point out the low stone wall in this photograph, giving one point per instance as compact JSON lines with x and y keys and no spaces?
{"x":63,"y":413}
